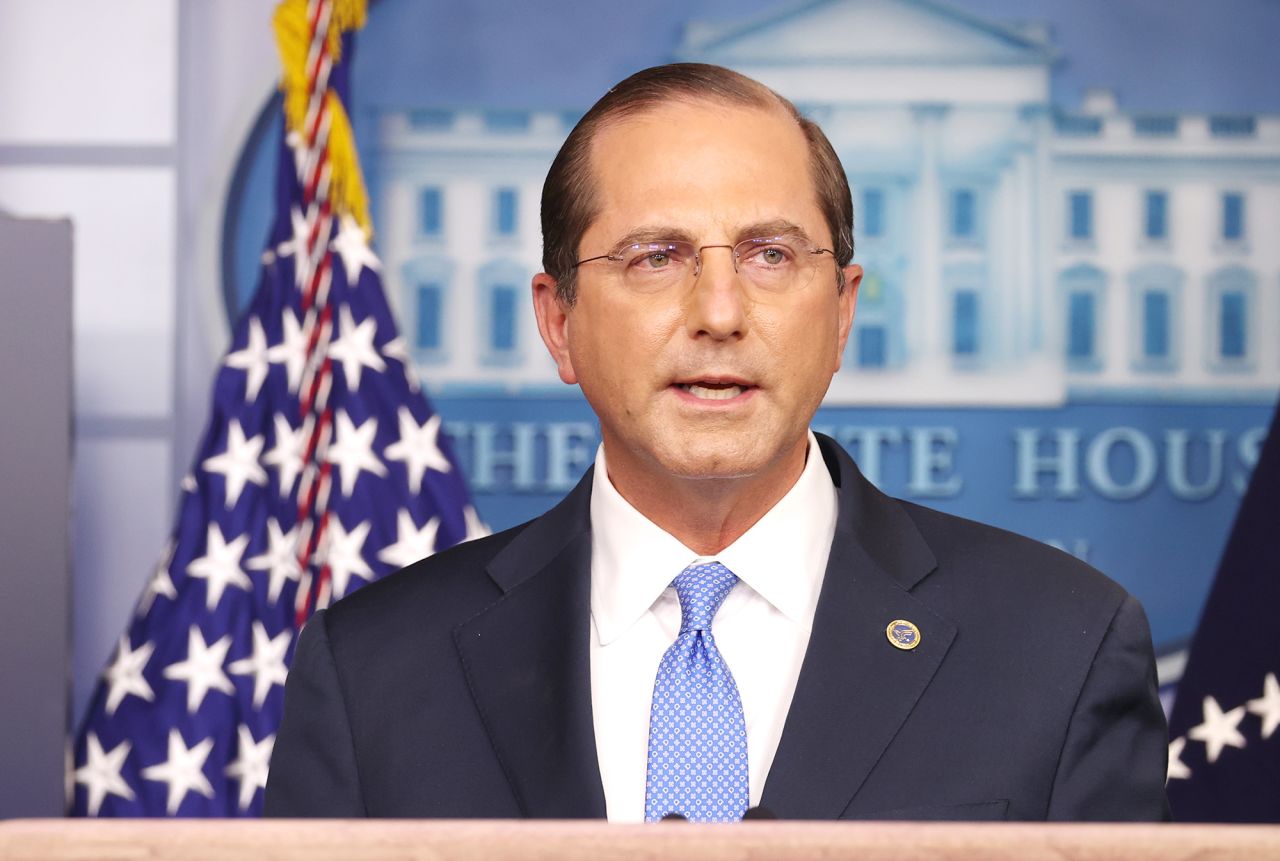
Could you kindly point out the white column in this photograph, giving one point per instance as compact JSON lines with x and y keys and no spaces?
{"x":1042,"y":196}
{"x":1005,"y":278}
{"x":1024,"y":238}
{"x":926,"y":306}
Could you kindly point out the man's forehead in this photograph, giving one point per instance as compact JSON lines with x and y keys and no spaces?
{"x":670,"y":159}
{"x":688,"y":137}
{"x":613,"y":129}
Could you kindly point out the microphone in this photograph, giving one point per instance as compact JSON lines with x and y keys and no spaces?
{"x":758,"y":813}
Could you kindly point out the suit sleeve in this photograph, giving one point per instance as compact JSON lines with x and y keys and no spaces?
{"x":313,"y":765}
{"x":1114,"y":760}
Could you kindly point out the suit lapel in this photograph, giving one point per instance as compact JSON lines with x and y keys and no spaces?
{"x":527,"y":660}
{"x":855,"y":688}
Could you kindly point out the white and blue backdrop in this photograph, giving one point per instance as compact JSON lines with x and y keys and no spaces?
{"x":1070,"y":324}
{"x":1068,"y":211}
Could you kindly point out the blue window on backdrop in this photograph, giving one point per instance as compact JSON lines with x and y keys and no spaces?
{"x":1080,"y":212}
{"x":1081,"y":322}
{"x":963,"y":214}
{"x":502,"y":319}
{"x":965,"y":330}
{"x":506,"y":121}
{"x":873,"y":212}
{"x":1232,"y":336}
{"x":1156,"y":126}
{"x":430,"y":119}
{"x":872,"y":347}
{"x":505,"y":201}
{"x":430,"y":306}
{"x":431,"y":211}
{"x":1233,"y":126}
{"x":1078,"y":126}
{"x":1232,"y":216}
{"x":1157,"y":221}
{"x":1155,"y":324}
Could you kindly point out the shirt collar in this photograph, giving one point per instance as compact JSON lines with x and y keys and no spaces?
{"x":783,"y":556}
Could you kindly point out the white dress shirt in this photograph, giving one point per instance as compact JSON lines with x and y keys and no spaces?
{"x":762,"y":628}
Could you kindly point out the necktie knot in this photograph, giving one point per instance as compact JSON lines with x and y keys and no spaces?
{"x":702,"y":589}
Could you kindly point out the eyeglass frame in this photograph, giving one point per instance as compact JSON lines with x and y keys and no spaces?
{"x":782,"y":239}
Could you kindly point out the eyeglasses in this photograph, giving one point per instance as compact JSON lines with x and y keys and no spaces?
{"x":777,"y":264}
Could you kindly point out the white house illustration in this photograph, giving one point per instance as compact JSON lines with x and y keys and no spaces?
{"x":1017,"y":252}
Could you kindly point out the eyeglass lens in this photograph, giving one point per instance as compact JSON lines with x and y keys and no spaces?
{"x":775,"y":264}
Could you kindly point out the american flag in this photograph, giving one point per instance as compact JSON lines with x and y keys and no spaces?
{"x":322,"y":468}
{"x":1224,"y":748}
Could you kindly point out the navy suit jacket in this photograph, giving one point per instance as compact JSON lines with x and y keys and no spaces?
{"x":460,"y":686}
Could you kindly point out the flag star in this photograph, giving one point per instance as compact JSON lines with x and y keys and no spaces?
{"x":476,"y":528}
{"x":202,"y":670}
{"x":344,"y":554}
{"x":352,"y":451}
{"x":124,"y":676}
{"x":183,"y":770}
{"x":1219,"y":729}
{"x":252,"y":360}
{"x":280,"y":561}
{"x":397,"y":349}
{"x":354,"y":349}
{"x":1178,"y":769}
{"x":286,"y":456}
{"x":251,"y":766}
{"x":220,"y":565}
{"x":160,"y":583}
{"x":239,"y":463}
{"x":1267,"y":706}
{"x":353,"y":246}
{"x":418,"y":447}
{"x":296,"y":245}
{"x":412,"y":543}
{"x":300,"y":232}
{"x":266,"y":664}
{"x":101,"y":772}
{"x":188,"y":483}
{"x":291,"y":351}
{"x":294,"y":141}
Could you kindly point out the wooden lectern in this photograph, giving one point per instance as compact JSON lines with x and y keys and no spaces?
{"x":496,"y":840}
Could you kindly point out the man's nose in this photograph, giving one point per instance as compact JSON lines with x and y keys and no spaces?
{"x":717,"y":301}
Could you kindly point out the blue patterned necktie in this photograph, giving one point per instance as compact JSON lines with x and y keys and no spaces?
{"x":697,"y":735}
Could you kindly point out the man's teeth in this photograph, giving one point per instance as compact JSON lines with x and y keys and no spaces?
{"x":720,"y":393}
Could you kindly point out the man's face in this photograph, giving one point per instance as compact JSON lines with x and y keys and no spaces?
{"x":713,"y":379}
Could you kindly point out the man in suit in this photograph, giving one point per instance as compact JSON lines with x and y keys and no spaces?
{"x":724,"y":613}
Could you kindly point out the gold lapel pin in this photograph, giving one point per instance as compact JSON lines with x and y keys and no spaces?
{"x":903,"y":634}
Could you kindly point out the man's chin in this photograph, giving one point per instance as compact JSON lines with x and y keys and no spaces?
{"x":711,"y":460}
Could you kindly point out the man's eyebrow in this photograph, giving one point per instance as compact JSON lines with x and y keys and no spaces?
{"x":767,"y":229}
{"x":758,"y":230}
{"x":652,"y":233}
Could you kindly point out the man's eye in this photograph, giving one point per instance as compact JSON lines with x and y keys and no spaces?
{"x":651,"y":258}
{"x":769,"y":256}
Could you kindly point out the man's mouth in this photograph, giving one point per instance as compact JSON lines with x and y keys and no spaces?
{"x":709,"y":391}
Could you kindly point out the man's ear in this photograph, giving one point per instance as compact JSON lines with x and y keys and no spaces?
{"x":848,"y":302}
{"x":553,"y":324}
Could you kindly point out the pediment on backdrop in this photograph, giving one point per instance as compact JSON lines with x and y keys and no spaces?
{"x":888,"y":32}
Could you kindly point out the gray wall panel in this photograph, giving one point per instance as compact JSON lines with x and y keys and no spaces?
{"x":35,"y":477}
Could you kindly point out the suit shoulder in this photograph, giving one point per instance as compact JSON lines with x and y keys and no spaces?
{"x":451,"y":583}
{"x":1014,"y":565}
